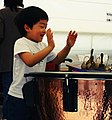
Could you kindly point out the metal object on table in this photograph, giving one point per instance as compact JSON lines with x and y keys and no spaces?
{"x":69,"y":92}
{"x":69,"y":87}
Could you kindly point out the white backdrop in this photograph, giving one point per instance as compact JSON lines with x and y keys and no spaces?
{"x":83,"y":15}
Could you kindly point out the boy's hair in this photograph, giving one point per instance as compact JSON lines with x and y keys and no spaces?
{"x":29,"y":16}
{"x":13,"y":4}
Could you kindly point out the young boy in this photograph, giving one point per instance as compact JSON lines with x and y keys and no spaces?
{"x":31,"y":55}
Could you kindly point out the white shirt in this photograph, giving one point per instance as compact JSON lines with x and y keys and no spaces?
{"x":20,"y":68}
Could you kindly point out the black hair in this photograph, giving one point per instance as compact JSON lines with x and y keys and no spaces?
{"x":29,"y":16}
{"x":13,"y":4}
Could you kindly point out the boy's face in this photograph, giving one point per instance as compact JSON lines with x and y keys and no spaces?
{"x":37,"y":32}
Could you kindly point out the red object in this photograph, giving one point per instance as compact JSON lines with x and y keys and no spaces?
{"x":52,"y":67}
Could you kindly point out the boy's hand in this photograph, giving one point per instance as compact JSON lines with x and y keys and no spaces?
{"x":50,"y":40}
{"x":72,"y":36}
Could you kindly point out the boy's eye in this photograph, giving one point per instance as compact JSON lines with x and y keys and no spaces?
{"x":42,"y":26}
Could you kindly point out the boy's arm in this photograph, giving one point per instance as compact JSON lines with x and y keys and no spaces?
{"x":30,"y":60}
{"x":72,"y":36}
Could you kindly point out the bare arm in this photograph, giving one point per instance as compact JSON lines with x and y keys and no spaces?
{"x":72,"y":36}
{"x":31,"y":60}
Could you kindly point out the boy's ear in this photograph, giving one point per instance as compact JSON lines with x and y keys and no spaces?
{"x":27,"y":28}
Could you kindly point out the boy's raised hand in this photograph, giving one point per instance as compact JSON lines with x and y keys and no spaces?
{"x":72,"y":36}
{"x":50,"y":40}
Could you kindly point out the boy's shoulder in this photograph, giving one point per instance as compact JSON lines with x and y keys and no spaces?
{"x":20,"y":40}
{"x":25,"y":40}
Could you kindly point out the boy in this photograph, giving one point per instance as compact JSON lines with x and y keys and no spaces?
{"x":31,"y":55}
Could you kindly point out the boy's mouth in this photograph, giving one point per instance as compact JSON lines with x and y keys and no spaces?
{"x":41,"y":36}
